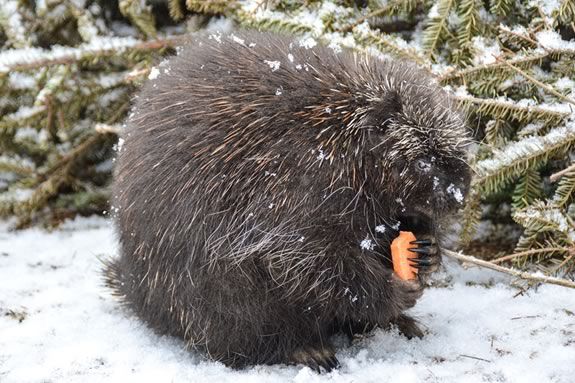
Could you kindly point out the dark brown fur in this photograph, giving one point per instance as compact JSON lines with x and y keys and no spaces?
{"x":249,"y":195}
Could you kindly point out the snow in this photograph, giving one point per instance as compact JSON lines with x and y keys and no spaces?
{"x":486,"y":50}
{"x":552,"y":40}
{"x":58,"y":323}
{"x":367,"y":244}
{"x":154,"y":73}
{"x":455,"y":192}
{"x":308,"y":43}
{"x":274,"y":65}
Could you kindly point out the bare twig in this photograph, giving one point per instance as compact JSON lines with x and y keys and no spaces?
{"x":515,"y":273}
{"x":556,"y":176}
{"x":106,"y":128}
{"x":475,"y":357}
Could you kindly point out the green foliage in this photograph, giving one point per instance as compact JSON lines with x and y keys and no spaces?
{"x":437,"y":29}
{"x":564,"y":192}
{"x":140,"y":15}
{"x":528,"y":189}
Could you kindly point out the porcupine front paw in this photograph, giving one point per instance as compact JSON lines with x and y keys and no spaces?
{"x":428,"y":258}
{"x":316,"y":357}
{"x":406,"y":293}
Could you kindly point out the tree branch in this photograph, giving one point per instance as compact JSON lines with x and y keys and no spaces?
{"x":518,"y":274}
{"x":26,"y":59}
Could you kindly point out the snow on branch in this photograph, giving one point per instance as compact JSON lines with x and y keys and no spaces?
{"x":511,"y":161}
{"x":30,"y":58}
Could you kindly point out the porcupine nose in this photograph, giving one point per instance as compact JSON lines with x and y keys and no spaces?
{"x":449,"y":191}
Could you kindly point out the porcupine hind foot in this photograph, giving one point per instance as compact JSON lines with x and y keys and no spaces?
{"x":316,"y":357}
{"x":408,"y":326}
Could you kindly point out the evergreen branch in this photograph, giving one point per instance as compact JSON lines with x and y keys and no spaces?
{"x":494,"y":130}
{"x":504,"y":109}
{"x":500,"y":7}
{"x":378,"y":12}
{"x":140,"y":15}
{"x":518,"y":274}
{"x":11,"y":166}
{"x":86,"y":24}
{"x":564,"y":192}
{"x":386,"y":44}
{"x":527,"y":253}
{"x":564,"y":262}
{"x":469,"y":13}
{"x":481,"y":70}
{"x":437,"y":28}
{"x":540,"y":217}
{"x":540,"y":84}
{"x":176,"y":10}
{"x":12,"y":24}
{"x":391,"y":8}
{"x":277,"y":25}
{"x":32,"y":58}
{"x":52,"y":85}
{"x":530,"y":42}
{"x":516,"y":158}
{"x":528,"y":189}
{"x":471,"y":215}
{"x":211,"y":6}
{"x":566,"y":11}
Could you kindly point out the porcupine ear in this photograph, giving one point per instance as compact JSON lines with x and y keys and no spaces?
{"x":388,"y":107}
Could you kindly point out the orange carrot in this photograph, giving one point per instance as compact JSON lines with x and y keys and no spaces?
{"x":400,"y":255}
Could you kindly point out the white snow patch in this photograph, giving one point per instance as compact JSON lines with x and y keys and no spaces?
{"x":367,"y":244}
{"x":321,"y":155}
{"x":154,"y":73}
{"x":486,"y":51}
{"x":435,"y":182}
{"x":548,"y":7}
{"x":455,"y":192}
{"x":274,"y":65}
{"x":308,"y":43}
{"x":237,"y":39}
{"x":433,"y":11}
{"x":552,"y":40}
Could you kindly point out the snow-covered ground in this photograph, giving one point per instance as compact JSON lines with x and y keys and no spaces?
{"x":59,"y":324}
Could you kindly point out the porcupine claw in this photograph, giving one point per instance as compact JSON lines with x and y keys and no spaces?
{"x":316,"y":358}
{"x":421,"y":242}
{"x":420,"y":263}
{"x":420,"y":250}
{"x":427,"y":260}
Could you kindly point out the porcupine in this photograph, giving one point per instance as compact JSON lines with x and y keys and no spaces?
{"x":260,"y":183}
